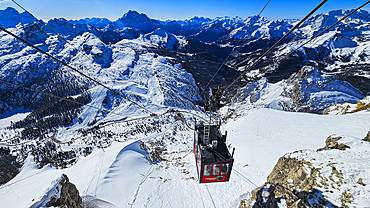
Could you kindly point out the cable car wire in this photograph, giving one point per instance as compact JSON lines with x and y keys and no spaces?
{"x":278,"y":42}
{"x":250,"y":26}
{"x":79,"y":72}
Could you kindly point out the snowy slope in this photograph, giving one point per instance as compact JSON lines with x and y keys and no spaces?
{"x":122,"y":176}
{"x":309,"y":90}
{"x":343,"y":175}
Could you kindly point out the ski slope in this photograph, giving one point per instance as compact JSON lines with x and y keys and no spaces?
{"x":120,"y":176}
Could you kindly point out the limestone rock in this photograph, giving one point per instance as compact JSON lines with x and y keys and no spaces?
{"x":289,"y":181}
{"x":346,"y":108}
{"x":332,"y":143}
{"x":69,"y":195}
{"x":62,"y":193}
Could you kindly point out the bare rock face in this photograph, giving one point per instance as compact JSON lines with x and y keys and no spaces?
{"x":347,"y":108}
{"x":325,"y":177}
{"x":332,"y":143}
{"x":62,"y":193}
{"x":68,"y":197}
{"x":289,"y":181}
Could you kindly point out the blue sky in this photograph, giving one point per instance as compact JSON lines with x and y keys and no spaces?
{"x":176,"y":9}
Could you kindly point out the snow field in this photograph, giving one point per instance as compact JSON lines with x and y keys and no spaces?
{"x":120,"y":175}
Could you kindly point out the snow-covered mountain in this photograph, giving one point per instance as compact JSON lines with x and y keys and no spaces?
{"x":309,"y":90}
{"x":11,"y":17}
{"x":95,"y":21}
{"x":139,"y":154}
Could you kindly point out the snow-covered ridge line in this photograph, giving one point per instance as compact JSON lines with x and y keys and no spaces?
{"x":135,"y":23}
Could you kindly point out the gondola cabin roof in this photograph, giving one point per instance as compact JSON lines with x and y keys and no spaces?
{"x":215,"y":150}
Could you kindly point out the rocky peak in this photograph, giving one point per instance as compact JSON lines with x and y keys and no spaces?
{"x":328,"y":177}
{"x":9,"y":11}
{"x":61,"y":194}
{"x":94,"y":21}
{"x":134,"y":17}
{"x":325,"y":20}
{"x":10,"y":17}
{"x":140,"y":21}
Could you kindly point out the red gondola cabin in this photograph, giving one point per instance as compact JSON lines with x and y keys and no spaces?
{"x":213,"y":159}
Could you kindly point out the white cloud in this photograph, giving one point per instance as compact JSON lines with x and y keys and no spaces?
{"x":3,"y":1}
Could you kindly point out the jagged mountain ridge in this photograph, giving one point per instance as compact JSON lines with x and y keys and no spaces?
{"x":147,"y":70}
{"x":329,"y":53}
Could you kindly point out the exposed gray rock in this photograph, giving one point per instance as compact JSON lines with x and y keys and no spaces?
{"x":62,"y":194}
{"x":332,"y":143}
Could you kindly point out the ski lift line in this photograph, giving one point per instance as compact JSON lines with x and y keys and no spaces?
{"x":281,"y":39}
{"x":326,"y":29}
{"x":101,"y":167}
{"x":90,"y":106}
{"x":250,"y":26}
{"x":79,"y":72}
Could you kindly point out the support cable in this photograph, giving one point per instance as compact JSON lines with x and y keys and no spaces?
{"x":250,"y":26}
{"x":272,"y":47}
{"x":79,"y":72}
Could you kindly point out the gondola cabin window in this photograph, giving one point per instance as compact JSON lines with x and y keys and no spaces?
{"x":216,"y":169}
{"x":225,"y":169}
{"x":207,"y":170}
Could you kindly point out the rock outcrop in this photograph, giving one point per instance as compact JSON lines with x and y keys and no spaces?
{"x":9,"y":166}
{"x":61,"y":194}
{"x":346,"y":108}
{"x":68,"y":196}
{"x":289,"y":183}
{"x":332,"y":176}
{"x":332,"y":143}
